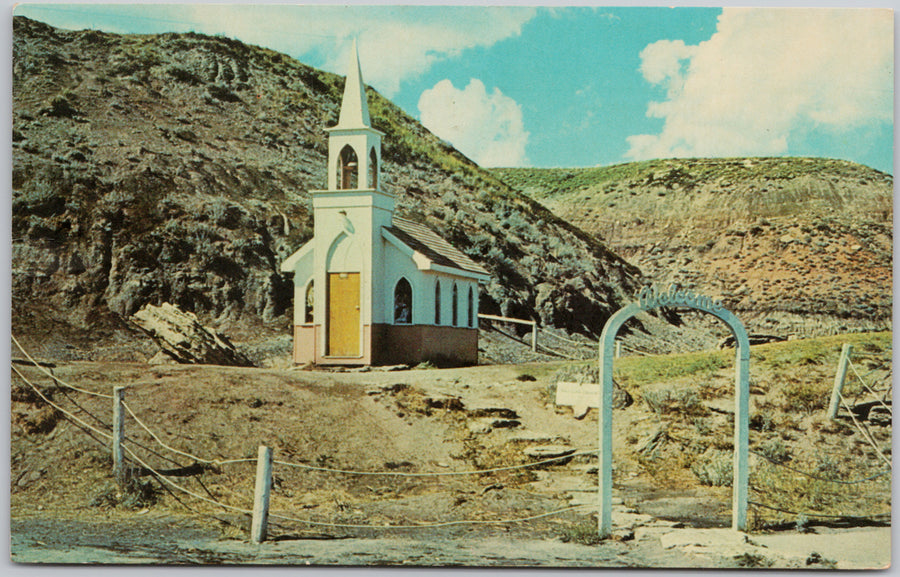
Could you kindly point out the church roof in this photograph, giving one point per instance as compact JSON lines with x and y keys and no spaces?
{"x":354,"y":105}
{"x":423,"y":240}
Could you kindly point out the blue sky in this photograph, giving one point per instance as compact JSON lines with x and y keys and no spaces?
{"x":584,"y":86}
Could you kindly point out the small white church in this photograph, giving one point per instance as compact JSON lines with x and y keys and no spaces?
{"x":371,"y":288}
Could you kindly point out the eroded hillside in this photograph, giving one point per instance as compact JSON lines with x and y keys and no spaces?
{"x":176,"y":167}
{"x":797,"y":246}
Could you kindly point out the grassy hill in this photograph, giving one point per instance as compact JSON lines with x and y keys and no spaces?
{"x":794,"y":245}
{"x":175,"y":167}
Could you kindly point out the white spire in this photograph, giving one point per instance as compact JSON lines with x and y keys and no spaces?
{"x":354,"y":106}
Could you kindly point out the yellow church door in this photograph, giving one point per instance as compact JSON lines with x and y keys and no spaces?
{"x":343,"y":314}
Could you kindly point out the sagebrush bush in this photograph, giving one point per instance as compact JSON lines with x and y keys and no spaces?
{"x":118,"y":198}
{"x":579,"y":374}
{"x":673,"y":401}
{"x":775,"y":450}
{"x":583,"y":533}
{"x":182,"y":75}
{"x":714,"y":468}
{"x":40,"y":198}
{"x":805,"y":396}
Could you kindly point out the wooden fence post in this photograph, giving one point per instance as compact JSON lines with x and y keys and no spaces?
{"x":618,"y":349}
{"x":843,"y":365}
{"x":118,"y":436}
{"x":261,"y":495}
{"x":534,"y":337}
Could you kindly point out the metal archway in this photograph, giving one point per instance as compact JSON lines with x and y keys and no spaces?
{"x":648,"y":299}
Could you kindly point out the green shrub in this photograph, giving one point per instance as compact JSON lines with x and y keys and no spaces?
{"x":40,"y":198}
{"x":805,"y":396}
{"x":714,"y":468}
{"x":669,"y":401}
{"x":762,"y":422}
{"x":585,"y":533}
{"x":775,"y":450}
{"x":61,"y":106}
{"x":827,"y":467}
{"x":136,"y":494}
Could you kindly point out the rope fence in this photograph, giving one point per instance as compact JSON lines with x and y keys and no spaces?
{"x":68,"y":414}
{"x":162,"y":477}
{"x":816,"y":514}
{"x":822,"y":515}
{"x":54,"y":377}
{"x":591,"y":345}
{"x":197,"y":459}
{"x":865,"y":433}
{"x":439,"y":473}
{"x":818,"y":478}
{"x":634,"y":350}
{"x":868,"y":388}
{"x":266,"y":479}
{"x":845,"y":363}
{"x":839,"y":400}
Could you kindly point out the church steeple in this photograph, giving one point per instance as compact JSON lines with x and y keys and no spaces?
{"x":354,"y":106}
{"x":354,"y":155}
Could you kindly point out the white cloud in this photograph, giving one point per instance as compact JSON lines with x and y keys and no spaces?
{"x":664,"y":61}
{"x":486,"y":127}
{"x":765,"y":75}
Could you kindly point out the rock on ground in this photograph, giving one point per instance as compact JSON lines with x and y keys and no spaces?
{"x":181,"y":336}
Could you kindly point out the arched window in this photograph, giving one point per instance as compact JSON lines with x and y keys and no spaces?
{"x":373,"y":169}
{"x":471,"y":308}
{"x":455,"y":303}
{"x":309,"y":301}
{"x":348,"y":169}
{"x":437,"y":302}
{"x":402,"y":302}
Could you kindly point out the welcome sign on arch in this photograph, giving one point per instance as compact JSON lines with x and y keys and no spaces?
{"x":650,"y":298}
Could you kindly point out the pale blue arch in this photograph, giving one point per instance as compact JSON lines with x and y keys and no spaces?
{"x":648,"y":300}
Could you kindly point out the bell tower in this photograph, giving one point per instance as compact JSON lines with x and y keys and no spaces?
{"x":354,"y":147}
{"x":348,"y":218}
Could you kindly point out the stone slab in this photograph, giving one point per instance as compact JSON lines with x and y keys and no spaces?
{"x":579,"y":396}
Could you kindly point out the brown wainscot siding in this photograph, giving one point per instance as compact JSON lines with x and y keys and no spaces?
{"x":408,"y":344}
